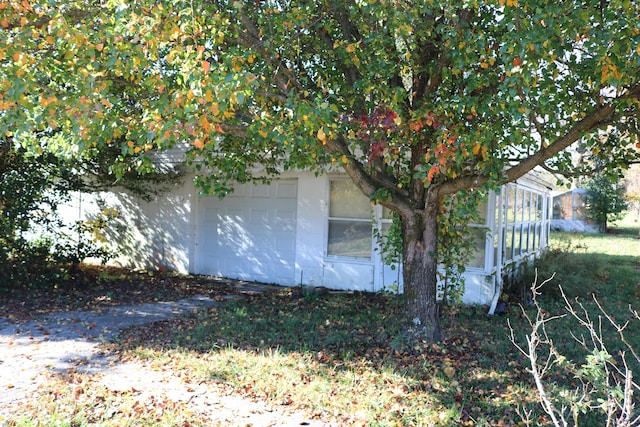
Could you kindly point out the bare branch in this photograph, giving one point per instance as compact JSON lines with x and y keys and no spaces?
{"x":597,"y":393}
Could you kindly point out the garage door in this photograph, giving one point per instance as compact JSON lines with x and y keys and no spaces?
{"x":250,"y":234}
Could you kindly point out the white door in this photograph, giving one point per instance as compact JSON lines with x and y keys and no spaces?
{"x":250,"y":234}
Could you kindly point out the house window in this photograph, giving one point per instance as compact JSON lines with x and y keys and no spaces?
{"x":522,"y":226}
{"x":479,"y":250}
{"x":350,"y":216}
{"x":479,"y":232}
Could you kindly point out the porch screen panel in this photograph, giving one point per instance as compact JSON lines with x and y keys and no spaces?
{"x":523,"y":220}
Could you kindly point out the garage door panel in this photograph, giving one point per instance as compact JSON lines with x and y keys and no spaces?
{"x":259,"y":217}
{"x":251,"y":237}
{"x":240,"y":191}
{"x":261,"y":191}
{"x":287,"y":190}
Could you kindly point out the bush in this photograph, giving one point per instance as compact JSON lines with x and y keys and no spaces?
{"x":603,"y":385}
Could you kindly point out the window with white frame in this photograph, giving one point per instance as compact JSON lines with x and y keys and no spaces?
{"x":522,"y":221}
{"x":350,"y":213}
{"x":479,"y":233}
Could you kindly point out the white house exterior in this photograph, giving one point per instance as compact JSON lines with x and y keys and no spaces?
{"x":305,"y":229}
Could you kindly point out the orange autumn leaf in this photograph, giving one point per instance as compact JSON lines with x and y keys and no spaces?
{"x":198,"y":143}
{"x":205,"y":124}
{"x":206,"y":65}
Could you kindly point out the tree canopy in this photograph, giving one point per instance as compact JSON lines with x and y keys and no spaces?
{"x":414,"y":100}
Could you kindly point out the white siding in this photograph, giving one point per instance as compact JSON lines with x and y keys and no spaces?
{"x":274,"y":233}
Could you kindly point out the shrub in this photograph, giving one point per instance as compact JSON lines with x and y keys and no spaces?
{"x":604,"y":388}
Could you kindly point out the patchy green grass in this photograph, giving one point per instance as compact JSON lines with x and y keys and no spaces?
{"x":344,"y":357}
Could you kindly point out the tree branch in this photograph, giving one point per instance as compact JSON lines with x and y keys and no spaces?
{"x":597,"y":119}
{"x":369,"y":183}
{"x":351,"y":34}
{"x":251,"y":39}
{"x":432,"y":52}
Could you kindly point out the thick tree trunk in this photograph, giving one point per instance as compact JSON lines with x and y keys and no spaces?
{"x":419,"y":271}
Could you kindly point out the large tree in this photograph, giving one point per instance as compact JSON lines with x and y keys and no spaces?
{"x":414,"y":100}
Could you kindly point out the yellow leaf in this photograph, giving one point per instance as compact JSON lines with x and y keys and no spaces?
{"x":215,"y":109}
{"x":351,"y":48}
{"x":476,"y":149}
{"x":322,"y":136}
{"x":263,"y":133}
{"x":344,"y":159}
{"x":208,"y":96}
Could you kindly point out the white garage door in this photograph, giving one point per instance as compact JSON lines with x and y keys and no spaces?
{"x":250,"y":234}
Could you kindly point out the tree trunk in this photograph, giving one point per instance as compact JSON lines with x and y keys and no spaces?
{"x":420,"y":271}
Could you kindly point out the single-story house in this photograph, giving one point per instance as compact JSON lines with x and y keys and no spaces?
{"x":305,"y":229}
{"x":570,"y":212}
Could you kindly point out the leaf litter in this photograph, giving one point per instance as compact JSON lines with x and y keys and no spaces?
{"x":54,"y":363}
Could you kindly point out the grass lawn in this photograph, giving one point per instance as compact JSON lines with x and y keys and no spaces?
{"x":344,"y":357}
